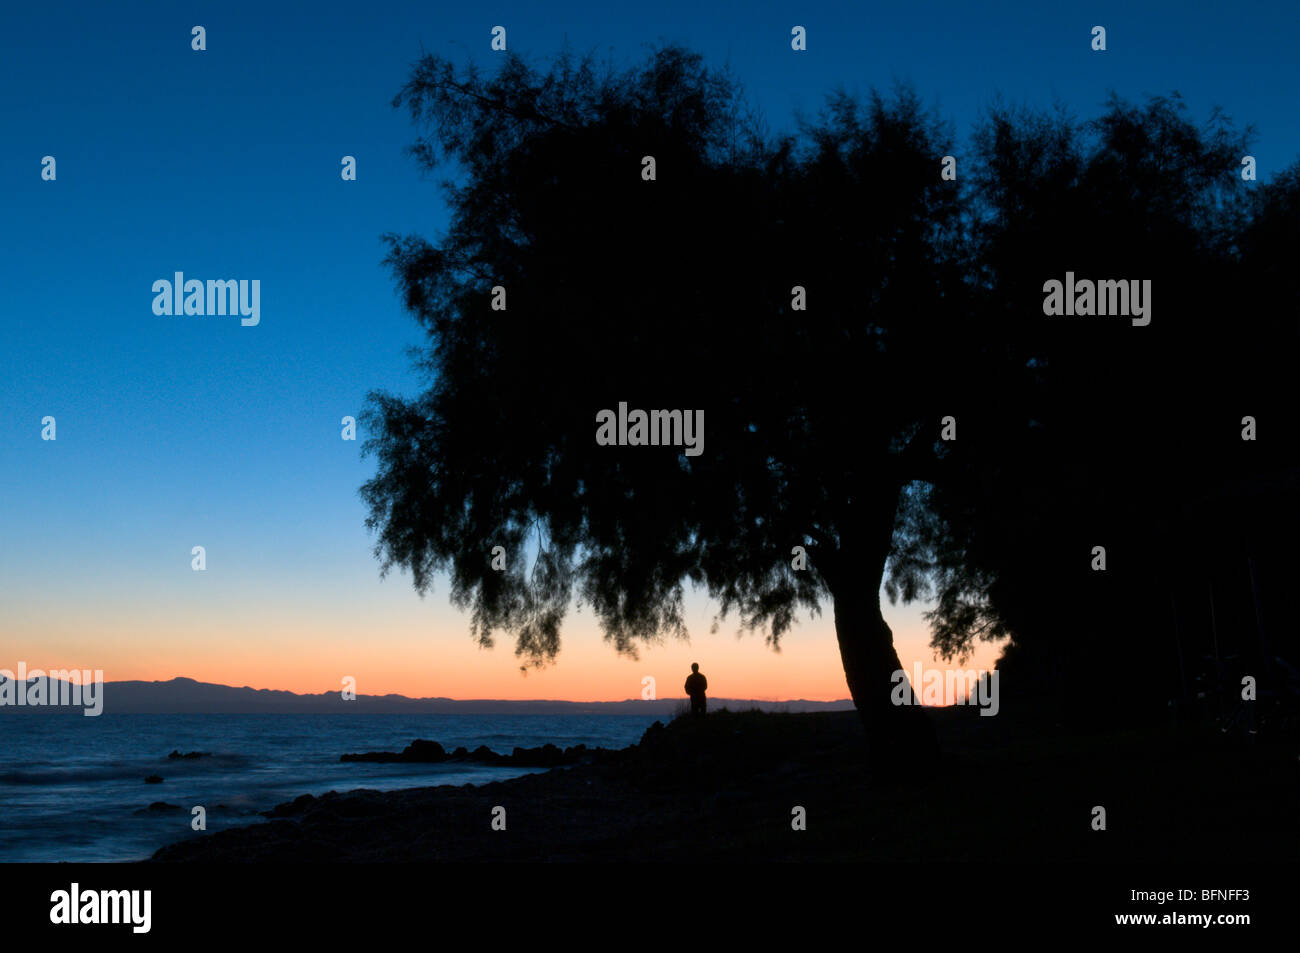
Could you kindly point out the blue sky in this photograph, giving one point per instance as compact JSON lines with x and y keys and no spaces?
{"x":176,"y":430}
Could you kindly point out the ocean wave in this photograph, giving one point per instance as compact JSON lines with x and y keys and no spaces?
{"x":71,"y":775}
{"x":138,"y":770}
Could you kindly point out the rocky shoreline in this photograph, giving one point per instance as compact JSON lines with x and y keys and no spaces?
{"x":594,"y":804}
{"x":431,"y":752}
{"x":743,"y":786}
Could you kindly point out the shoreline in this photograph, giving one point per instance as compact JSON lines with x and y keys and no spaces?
{"x":725,"y":788}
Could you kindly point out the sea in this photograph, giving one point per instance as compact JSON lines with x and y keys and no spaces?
{"x":72,"y":788}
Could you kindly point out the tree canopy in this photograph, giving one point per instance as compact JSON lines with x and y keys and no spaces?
{"x":922,"y":298}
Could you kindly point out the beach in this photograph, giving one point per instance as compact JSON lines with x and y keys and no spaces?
{"x":729,"y":788}
{"x":74,"y":789}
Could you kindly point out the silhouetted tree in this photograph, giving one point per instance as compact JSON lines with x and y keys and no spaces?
{"x":1100,"y":433}
{"x":821,"y":426}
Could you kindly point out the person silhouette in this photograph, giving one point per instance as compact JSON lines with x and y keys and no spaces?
{"x":696,"y":684}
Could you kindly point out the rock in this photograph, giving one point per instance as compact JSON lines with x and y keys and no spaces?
{"x":430,"y":752}
{"x":381,"y":756}
{"x":486,"y":755}
{"x":176,"y":755}
{"x":417,"y":752}
{"x":547,"y":756}
{"x":162,"y":807}
{"x":153,"y":779}
{"x":296,"y":806}
{"x":655,"y":735}
{"x":424,"y":751}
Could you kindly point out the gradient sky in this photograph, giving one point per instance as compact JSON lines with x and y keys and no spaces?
{"x":183,"y":431}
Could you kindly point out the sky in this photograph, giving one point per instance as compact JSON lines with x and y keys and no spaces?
{"x":178,"y":431}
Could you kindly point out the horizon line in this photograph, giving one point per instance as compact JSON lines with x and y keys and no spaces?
{"x":445,"y":698}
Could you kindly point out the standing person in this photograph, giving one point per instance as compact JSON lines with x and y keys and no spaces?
{"x":696,"y":684}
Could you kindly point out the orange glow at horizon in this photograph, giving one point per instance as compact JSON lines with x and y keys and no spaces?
{"x":420,"y":648}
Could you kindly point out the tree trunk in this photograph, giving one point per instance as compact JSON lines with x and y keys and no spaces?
{"x":898,"y":735}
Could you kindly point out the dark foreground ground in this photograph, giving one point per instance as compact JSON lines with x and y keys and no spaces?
{"x":724,"y":790}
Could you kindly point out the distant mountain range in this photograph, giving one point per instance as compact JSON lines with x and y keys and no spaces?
{"x":186,"y":696}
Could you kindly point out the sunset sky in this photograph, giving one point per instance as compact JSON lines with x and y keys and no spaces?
{"x":178,"y":431}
